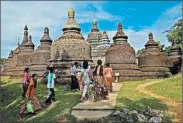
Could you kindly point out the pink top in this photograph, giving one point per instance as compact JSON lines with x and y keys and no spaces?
{"x":108,"y":72}
{"x":26,"y":77}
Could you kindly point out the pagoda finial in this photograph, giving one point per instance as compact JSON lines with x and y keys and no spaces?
{"x":30,"y":38}
{"x":120,"y":27}
{"x":26,"y":28}
{"x":150,"y":36}
{"x":18,"y":41}
{"x":71,"y":13}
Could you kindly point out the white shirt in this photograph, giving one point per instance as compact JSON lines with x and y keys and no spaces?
{"x":73,"y":70}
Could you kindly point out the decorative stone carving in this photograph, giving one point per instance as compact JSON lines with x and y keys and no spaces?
{"x":121,"y":57}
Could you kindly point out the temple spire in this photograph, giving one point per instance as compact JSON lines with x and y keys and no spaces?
{"x":46,"y":37}
{"x":25,"y":39}
{"x":94,"y":26}
{"x":71,"y":23}
{"x":120,"y":33}
{"x":150,"y":36}
{"x":18,"y":41}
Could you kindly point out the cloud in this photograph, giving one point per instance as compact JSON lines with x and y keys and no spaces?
{"x":137,"y":39}
{"x":38,"y":15}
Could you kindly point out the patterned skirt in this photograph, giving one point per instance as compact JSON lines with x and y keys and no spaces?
{"x":35,"y":102}
{"x":100,"y":92}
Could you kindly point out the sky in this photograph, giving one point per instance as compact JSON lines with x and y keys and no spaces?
{"x":138,"y":18}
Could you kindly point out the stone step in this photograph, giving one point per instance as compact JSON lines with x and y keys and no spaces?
{"x":88,"y":114}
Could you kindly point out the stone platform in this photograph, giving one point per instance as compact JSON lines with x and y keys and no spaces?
{"x":99,"y":109}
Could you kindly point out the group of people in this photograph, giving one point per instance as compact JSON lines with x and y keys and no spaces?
{"x":29,"y":86}
{"x":81,"y":76}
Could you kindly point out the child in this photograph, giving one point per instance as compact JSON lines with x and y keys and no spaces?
{"x":50,"y":86}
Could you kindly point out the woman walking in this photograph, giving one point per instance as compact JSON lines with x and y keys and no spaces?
{"x":108,"y":76}
{"x":85,"y":75}
{"x":26,"y":81}
{"x":100,"y":92}
{"x":30,"y":96}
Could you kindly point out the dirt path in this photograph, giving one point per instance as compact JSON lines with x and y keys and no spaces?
{"x":174,"y":107}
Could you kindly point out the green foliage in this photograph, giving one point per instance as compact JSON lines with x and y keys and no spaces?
{"x":175,"y":32}
{"x":141,"y":51}
{"x":2,"y":61}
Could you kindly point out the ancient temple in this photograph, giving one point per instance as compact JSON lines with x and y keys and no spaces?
{"x":175,"y":58}
{"x":41,"y":56}
{"x":23,"y":58}
{"x":99,"y":42}
{"x":68,"y":48}
{"x":121,"y":57}
{"x":153,"y":62}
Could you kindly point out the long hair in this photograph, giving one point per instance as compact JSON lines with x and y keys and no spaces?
{"x":85,"y":65}
{"x":99,"y":62}
{"x":35,"y":82}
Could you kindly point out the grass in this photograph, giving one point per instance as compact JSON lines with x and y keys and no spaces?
{"x":11,"y":101}
{"x":130,"y":98}
{"x":170,"y":88}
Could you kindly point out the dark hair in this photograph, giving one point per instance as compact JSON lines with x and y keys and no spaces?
{"x":75,"y":63}
{"x":26,"y":69}
{"x":35,"y":82}
{"x":107,"y":65}
{"x":33,"y":75}
{"x":51,"y":69}
{"x":85,"y":64}
{"x":99,"y":62}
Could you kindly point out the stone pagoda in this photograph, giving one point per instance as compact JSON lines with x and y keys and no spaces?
{"x":153,"y":62}
{"x":68,"y":48}
{"x":121,"y":57}
{"x":41,"y":56}
{"x":23,"y":57}
{"x":175,"y":57}
{"x":99,"y":42}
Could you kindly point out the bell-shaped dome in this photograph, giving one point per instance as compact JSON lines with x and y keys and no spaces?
{"x":71,"y":41}
{"x":121,"y":57}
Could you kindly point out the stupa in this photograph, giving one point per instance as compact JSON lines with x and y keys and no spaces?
{"x":68,"y":48}
{"x":121,"y":57}
{"x":23,"y":57}
{"x":41,"y":56}
{"x":99,"y":42}
{"x":153,"y":62}
{"x":175,"y":58}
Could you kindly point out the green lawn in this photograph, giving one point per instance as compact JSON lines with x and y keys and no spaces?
{"x":170,"y":88}
{"x":130,"y":98}
{"x":11,"y":101}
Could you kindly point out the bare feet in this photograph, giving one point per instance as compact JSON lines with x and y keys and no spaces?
{"x":20,"y":116}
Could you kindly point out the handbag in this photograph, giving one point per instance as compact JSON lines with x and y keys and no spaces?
{"x":30,"y":107}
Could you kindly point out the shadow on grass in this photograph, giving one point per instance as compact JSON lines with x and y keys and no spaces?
{"x":141,"y":104}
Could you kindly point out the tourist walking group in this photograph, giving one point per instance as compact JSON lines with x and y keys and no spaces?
{"x":82,"y":76}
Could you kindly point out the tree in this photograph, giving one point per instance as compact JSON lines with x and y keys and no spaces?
{"x":175,"y":33}
{"x":2,"y":61}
